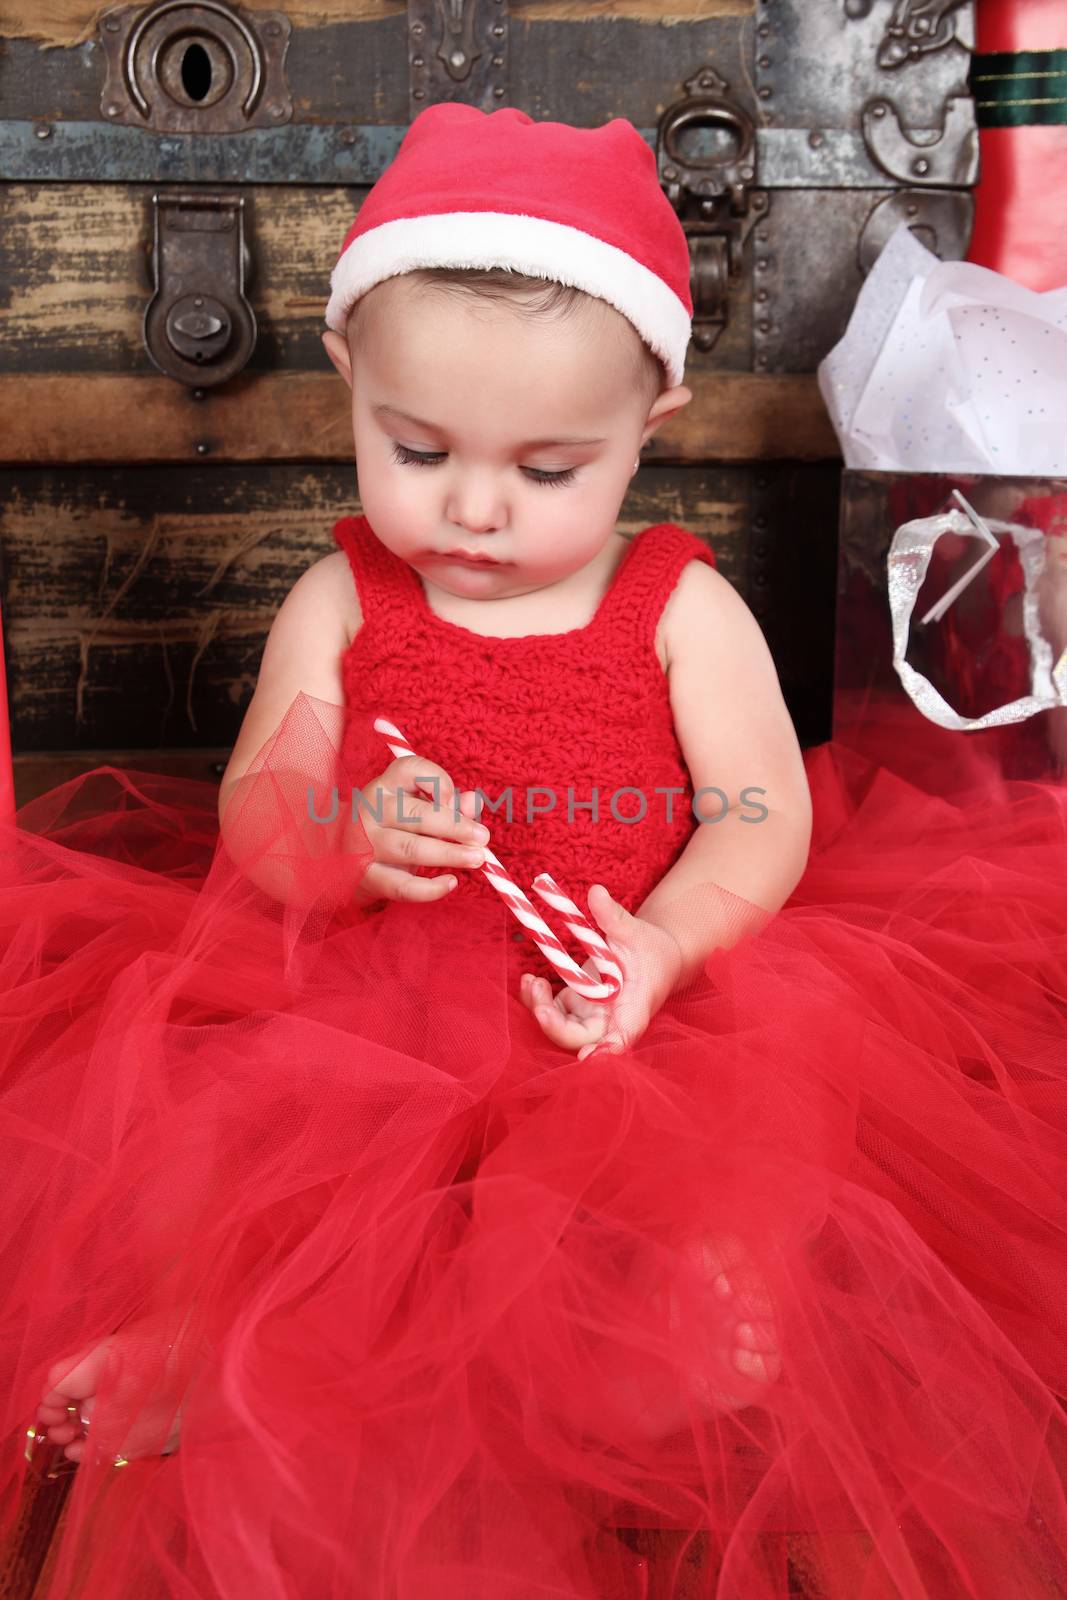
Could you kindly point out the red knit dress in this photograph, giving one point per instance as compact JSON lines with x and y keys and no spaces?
{"x":569,"y":736}
{"x":450,"y":1314}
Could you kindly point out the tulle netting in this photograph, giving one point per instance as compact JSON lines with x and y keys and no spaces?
{"x":443,"y":1312}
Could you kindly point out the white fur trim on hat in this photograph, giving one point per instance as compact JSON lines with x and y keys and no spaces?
{"x":525,"y":244}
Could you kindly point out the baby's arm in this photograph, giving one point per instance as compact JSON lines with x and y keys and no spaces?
{"x":736,"y":735}
{"x":303,"y":652}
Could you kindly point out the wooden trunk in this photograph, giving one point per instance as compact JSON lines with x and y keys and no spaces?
{"x":151,"y":527}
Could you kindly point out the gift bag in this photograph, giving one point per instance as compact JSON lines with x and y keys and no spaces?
{"x":949,"y":396}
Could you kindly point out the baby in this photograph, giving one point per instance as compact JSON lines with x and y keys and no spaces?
{"x":498,"y":416}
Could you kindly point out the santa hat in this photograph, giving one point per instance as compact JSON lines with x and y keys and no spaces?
{"x":581,"y":206}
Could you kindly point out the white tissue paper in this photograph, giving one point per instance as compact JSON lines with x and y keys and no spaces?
{"x":948,"y":367}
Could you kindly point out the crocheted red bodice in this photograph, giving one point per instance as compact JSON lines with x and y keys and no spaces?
{"x":564,"y":717}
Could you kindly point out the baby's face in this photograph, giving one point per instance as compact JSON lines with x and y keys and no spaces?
{"x":477,"y":472}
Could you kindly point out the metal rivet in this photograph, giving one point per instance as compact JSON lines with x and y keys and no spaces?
{"x":761,"y":236}
{"x":416,"y":28}
{"x":457,"y":58}
{"x":198,"y":394}
{"x":879,"y":111}
{"x":198,"y":301}
{"x":276,"y":111}
{"x":922,"y":166}
{"x":43,"y":132}
{"x":764,"y":61}
{"x":498,"y":61}
{"x":912,"y":211}
{"x":764,"y":92}
{"x":761,"y":295}
{"x":761,"y":579}
{"x":764,"y":327}
{"x":498,"y":94}
{"x":417,"y":61}
{"x":759,"y":522}
{"x":761,"y":361}
{"x":111,"y":24}
{"x":764,"y":30}
{"x":202,"y":449}
{"x":348,"y":136}
{"x":815,"y":138}
{"x":748,"y":174}
{"x":670,"y":172}
{"x":419,"y":94}
{"x":759,"y":201}
{"x":497,"y":31}
{"x":761,"y":266}
{"x":113,"y":111}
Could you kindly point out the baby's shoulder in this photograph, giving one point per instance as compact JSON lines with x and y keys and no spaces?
{"x":699,"y":598}
{"x":333,"y":573}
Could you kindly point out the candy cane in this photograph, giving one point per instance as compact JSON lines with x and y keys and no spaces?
{"x":538,"y":929}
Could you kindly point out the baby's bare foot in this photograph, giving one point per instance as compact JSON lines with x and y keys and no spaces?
{"x":67,"y":1406}
{"x":728,"y":1311}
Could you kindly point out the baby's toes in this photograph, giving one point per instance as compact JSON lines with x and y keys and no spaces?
{"x":48,"y":1416}
{"x":756,"y":1352}
{"x":76,"y":1377}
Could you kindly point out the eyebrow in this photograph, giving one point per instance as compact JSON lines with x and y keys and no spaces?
{"x":527,"y":444}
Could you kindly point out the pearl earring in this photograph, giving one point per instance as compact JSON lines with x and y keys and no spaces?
{"x":637,"y":463}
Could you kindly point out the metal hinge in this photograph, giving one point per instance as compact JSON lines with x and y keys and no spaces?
{"x":458,"y":50}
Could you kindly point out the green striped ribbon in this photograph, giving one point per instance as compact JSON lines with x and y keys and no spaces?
{"x":1014,"y":88}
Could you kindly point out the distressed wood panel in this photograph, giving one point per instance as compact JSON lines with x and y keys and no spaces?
{"x":304,"y":416}
{"x":137,"y":600}
{"x":71,"y":22}
{"x":75,"y":277}
{"x":584,"y":65}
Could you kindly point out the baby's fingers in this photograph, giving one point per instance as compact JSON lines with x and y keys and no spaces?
{"x":396,"y":883}
{"x":566,"y":1028}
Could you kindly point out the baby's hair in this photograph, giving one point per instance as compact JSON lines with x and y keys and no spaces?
{"x":538,"y":299}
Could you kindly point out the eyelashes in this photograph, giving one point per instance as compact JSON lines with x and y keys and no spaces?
{"x":414,"y":458}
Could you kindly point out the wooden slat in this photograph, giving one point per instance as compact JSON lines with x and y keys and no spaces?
{"x":74,"y":281}
{"x":49,"y":419}
{"x":72,"y":22}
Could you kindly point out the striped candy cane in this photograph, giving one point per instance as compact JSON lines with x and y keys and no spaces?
{"x":538,"y":929}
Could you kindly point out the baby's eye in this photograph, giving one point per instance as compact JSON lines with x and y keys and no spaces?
{"x":415,"y":458}
{"x":427,"y":458}
{"x":551,"y":477}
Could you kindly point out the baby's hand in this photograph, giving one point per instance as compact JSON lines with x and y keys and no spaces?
{"x":651,"y":962}
{"x":416,"y":830}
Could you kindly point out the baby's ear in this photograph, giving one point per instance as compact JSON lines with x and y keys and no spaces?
{"x":337,"y":350}
{"x":664,"y":407}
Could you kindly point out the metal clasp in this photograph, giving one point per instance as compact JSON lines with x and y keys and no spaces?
{"x":199,"y":326}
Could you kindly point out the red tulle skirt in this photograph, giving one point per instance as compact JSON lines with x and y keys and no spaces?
{"x":773,"y":1302}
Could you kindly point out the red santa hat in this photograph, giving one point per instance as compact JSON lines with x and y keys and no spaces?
{"x":581,"y":206}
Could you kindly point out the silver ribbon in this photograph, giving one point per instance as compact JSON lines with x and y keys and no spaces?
{"x":909,"y":557}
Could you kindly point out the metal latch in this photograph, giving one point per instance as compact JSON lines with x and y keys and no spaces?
{"x":709,"y":187}
{"x":199,"y":327}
